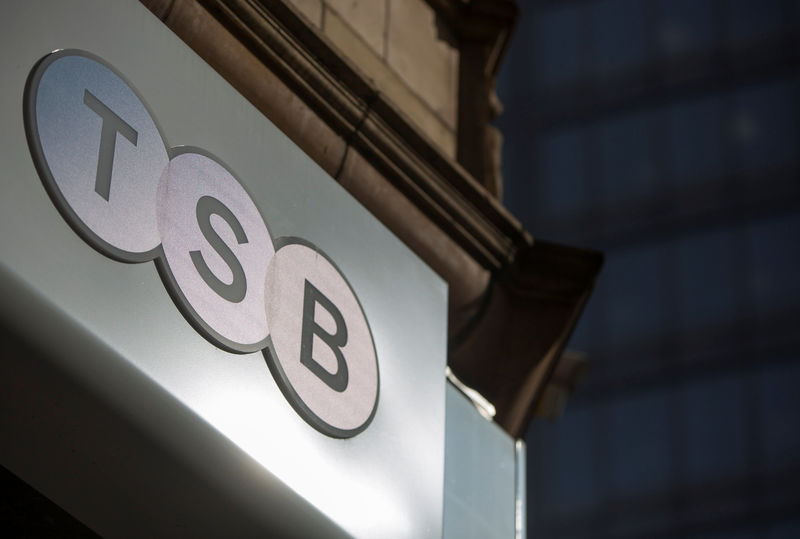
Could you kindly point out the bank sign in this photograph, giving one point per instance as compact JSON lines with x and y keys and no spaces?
{"x":105,"y":164}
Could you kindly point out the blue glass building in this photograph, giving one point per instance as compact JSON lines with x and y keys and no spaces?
{"x":666,"y":133}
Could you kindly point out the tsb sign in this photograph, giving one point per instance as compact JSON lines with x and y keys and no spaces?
{"x":108,"y":170}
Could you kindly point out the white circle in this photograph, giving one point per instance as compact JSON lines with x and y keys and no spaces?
{"x":238,"y":325}
{"x":69,"y":89}
{"x":334,"y":412}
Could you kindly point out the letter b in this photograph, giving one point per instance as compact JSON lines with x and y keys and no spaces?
{"x":311,"y":298}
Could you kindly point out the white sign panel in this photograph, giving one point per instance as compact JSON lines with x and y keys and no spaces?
{"x":178,"y":258}
{"x":135,"y":199}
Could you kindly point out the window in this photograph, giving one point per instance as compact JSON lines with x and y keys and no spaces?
{"x":695,"y":145}
{"x":617,"y":35}
{"x":747,"y":19}
{"x":627,"y":170}
{"x":561,"y":184}
{"x":716,"y":427}
{"x":639,"y":441}
{"x":780,"y":409}
{"x":707,"y":281}
{"x":558,"y":48}
{"x":684,"y":26}
{"x":775,"y":258}
{"x":634,"y":311}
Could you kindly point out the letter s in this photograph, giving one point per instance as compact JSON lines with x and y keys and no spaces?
{"x":237,"y":289}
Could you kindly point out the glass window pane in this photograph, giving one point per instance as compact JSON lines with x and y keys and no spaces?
{"x":748,"y":19}
{"x":727,"y":534}
{"x":640,"y":449}
{"x":775,"y":259}
{"x":684,"y":26}
{"x":696,"y":147}
{"x":617,"y":35}
{"x":716,"y":435}
{"x":706,"y":279}
{"x":575,"y":444}
{"x":565,"y":454}
{"x":785,"y":530}
{"x":634,"y":311}
{"x":558,"y":50}
{"x":780,"y":410}
{"x":561,"y":182}
{"x":627,"y":170}
{"x":543,"y":467}
{"x":764,"y":124}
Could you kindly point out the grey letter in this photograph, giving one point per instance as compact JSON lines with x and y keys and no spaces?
{"x":112,"y":124}
{"x":312,"y":297}
{"x":206,"y":207}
